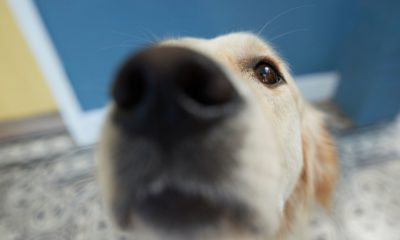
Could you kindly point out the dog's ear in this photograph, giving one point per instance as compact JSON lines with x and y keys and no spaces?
{"x":320,"y":171}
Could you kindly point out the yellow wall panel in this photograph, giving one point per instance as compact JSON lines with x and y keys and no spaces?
{"x":23,"y":90}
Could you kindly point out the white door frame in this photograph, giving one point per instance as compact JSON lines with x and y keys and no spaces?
{"x":82,"y":125}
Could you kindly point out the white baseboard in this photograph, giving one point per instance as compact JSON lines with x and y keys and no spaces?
{"x":84,"y":126}
{"x":318,"y":87}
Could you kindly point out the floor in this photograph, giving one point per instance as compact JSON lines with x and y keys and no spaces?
{"x":48,"y":190}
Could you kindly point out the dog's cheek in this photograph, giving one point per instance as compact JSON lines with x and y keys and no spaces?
{"x":321,"y":167}
{"x":327,"y":168}
{"x":258,"y":178}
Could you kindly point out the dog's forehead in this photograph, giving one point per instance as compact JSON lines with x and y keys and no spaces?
{"x":236,"y":47}
{"x":242,"y":46}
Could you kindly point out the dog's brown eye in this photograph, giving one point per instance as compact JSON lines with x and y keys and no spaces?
{"x":267,"y":74}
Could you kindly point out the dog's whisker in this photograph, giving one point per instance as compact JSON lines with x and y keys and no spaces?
{"x":122,"y":45}
{"x":123,"y":34}
{"x":134,"y":37}
{"x":146,"y":40}
{"x":129,"y":43}
{"x":150,"y":34}
{"x":288,"y":33}
{"x":280,"y":15}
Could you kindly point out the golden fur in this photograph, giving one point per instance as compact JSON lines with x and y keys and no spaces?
{"x":288,"y":159}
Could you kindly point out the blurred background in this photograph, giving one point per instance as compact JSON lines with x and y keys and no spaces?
{"x":58,"y":59}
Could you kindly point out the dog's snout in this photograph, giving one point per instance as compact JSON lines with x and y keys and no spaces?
{"x":173,"y":72}
{"x":173,"y":85}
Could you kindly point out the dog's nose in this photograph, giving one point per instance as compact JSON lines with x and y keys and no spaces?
{"x":173,"y":87}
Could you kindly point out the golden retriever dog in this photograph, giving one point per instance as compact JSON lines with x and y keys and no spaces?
{"x":211,"y":139}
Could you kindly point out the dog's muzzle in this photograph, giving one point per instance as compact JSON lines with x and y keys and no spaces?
{"x":174,"y":149}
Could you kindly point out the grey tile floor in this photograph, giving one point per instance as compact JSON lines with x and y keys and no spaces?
{"x":48,"y":190}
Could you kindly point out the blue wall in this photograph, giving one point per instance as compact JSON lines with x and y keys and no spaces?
{"x":369,"y":91}
{"x":93,"y":36}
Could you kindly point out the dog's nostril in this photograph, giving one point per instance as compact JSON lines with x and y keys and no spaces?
{"x":129,"y":88}
{"x":206,"y":85}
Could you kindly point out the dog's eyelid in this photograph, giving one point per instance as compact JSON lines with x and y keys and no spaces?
{"x":269,"y":61}
{"x":251,"y":63}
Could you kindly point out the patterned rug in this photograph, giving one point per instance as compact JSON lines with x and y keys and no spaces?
{"x":48,"y":190}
